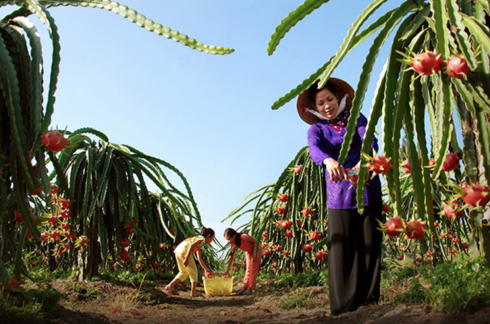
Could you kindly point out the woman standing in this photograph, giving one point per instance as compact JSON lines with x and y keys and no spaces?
{"x":245,"y":243}
{"x":354,"y":243}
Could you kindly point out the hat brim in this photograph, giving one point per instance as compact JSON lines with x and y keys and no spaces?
{"x":304,"y":101}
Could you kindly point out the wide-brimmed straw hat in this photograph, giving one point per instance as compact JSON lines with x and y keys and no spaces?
{"x":304,"y":102}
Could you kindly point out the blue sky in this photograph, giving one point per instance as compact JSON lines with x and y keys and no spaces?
{"x":208,"y":115}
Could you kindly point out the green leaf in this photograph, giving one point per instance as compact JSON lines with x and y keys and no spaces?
{"x":461,"y":35}
{"x":414,"y":125}
{"x":446,"y":105}
{"x":438,"y":9}
{"x":89,"y":130}
{"x":374,"y":116}
{"x":36,"y":72}
{"x":9,"y":85}
{"x":464,"y":105}
{"x":362,"y":36}
{"x":46,"y":18}
{"x":292,"y":19}
{"x":143,"y":22}
{"x":346,"y":44}
{"x":366,"y":73}
{"x":478,"y":30}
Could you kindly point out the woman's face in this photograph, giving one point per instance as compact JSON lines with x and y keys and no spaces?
{"x":326,"y":103}
{"x":209,"y":239}
{"x":230,"y":239}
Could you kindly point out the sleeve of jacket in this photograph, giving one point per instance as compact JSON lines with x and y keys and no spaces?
{"x":315,"y":139}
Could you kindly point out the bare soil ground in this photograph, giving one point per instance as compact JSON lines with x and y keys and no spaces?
{"x":101,"y":302}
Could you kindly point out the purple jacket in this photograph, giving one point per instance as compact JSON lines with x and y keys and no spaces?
{"x":324,"y":142}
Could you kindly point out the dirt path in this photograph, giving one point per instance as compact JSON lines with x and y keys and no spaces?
{"x":101,"y":302}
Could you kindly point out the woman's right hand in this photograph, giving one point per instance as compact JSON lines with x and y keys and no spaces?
{"x":335,"y":170}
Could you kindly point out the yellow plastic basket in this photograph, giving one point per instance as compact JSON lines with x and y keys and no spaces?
{"x":218,"y":286}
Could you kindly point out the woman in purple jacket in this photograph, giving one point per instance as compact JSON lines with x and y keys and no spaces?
{"x":354,"y":243}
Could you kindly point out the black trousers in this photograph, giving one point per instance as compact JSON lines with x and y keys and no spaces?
{"x":354,"y":257}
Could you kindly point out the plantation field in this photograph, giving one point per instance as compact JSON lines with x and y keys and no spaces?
{"x":272,"y":302}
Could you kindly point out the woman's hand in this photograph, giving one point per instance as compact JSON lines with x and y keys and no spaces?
{"x":335,"y":170}
{"x":186,"y":262}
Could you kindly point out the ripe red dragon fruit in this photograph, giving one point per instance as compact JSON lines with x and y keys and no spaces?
{"x":280,"y":211}
{"x":283,"y":197}
{"x":54,"y":189}
{"x":450,"y":210}
{"x":124,"y":255}
{"x":264,"y":235}
{"x":18,"y":217}
{"x":278,"y":248}
{"x":406,"y":166}
{"x":52,"y":220}
{"x":308,"y":247}
{"x":267,"y":252}
{"x":297,"y":169}
{"x":427,"y":63}
{"x":54,"y":141}
{"x":451,"y":162}
{"x":320,"y":255}
{"x":65,"y":213}
{"x":386,"y":208}
{"x":465,"y":245}
{"x":307,"y":212}
{"x":286,"y":254}
{"x":12,"y":284}
{"x":125,"y":243}
{"x":354,"y":178}
{"x":400,"y":257}
{"x":476,"y":195}
{"x":315,"y":236}
{"x":379,"y":164}
{"x":287,"y":224}
{"x":65,"y":204}
{"x":65,"y":226}
{"x":83,"y":241}
{"x":457,"y":66}
{"x":393,"y":226}
{"x":289,"y":234}
{"x":415,"y":229}
{"x":35,"y":169}
{"x":54,"y":235}
{"x":298,"y":223}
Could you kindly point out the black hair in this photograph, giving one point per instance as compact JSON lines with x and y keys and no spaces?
{"x":206,"y":231}
{"x":230,"y":232}
{"x":313,"y":90}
